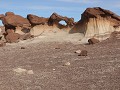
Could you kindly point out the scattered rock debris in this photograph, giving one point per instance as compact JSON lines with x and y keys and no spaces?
{"x":23,"y":71}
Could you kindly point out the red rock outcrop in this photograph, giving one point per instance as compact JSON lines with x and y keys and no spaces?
{"x":12,"y":37}
{"x":11,"y":21}
{"x":9,"y":13}
{"x":55,"y":19}
{"x":36,"y":20}
{"x":97,"y":22}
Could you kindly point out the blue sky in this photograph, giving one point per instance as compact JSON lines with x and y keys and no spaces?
{"x":44,"y":8}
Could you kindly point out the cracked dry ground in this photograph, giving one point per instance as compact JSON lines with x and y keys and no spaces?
{"x":100,"y":70}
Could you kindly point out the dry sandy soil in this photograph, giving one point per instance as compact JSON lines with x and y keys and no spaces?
{"x":43,"y":65}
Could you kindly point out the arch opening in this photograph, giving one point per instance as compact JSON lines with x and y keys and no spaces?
{"x":62,"y":24}
{"x":1,"y":24}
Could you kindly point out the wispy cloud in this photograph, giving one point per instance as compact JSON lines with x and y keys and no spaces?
{"x":40,"y":7}
{"x":80,"y":1}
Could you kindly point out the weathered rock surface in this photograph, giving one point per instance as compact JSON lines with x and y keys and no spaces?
{"x":26,"y":36}
{"x":43,"y":29}
{"x":11,"y":21}
{"x":10,"y":31}
{"x":9,"y":13}
{"x":115,"y":35}
{"x":12,"y":37}
{"x":36,"y":20}
{"x":55,"y":19}
{"x":97,"y":22}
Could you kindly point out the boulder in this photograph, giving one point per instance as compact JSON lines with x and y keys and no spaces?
{"x":36,"y":20}
{"x":83,"y":53}
{"x":12,"y":37}
{"x":93,"y":41}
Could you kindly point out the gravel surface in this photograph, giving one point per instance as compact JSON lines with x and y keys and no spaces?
{"x":55,"y":66}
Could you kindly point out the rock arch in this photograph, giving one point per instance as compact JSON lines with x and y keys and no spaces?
{"x":55,"y":19}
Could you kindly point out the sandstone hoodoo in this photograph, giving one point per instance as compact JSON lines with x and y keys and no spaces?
{"x":36,"y":20}
{"x":97,"y":22}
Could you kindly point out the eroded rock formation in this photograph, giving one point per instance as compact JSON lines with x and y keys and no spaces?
{"x":55,"y":19}
{"x":36,"y":20}
{"x":11,"y":21}
{"x":97,"y":22}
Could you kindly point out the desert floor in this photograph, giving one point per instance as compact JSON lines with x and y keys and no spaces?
{"x":55,"y":66}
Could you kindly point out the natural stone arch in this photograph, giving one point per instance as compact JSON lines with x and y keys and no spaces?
{"x":55,"y":19}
